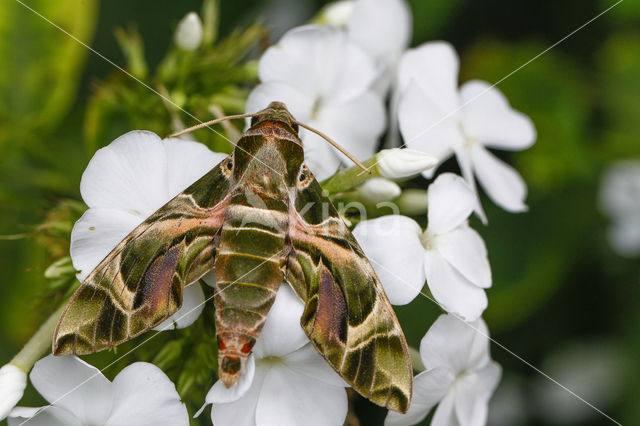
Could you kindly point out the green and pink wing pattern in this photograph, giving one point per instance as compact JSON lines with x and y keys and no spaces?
{"x":347,"y":315}
{"x":139,"y":284}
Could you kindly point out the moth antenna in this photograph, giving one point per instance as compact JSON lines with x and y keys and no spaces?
{"x":335,"y":144}
{"x":209,"y":123}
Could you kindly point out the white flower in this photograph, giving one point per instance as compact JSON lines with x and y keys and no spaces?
{"x":325,"y":81}
{"x":286,"y":382}
{"x":124,"y":183}
{"x":141,"y":394}
{"x":188,"y":34}
{"x":377,"y":190}
{"x":460,"y":375}
{"x":338,"y":13}
{"x":620,"y":200}
{"x":13,"y":380}
{"x":383,"y":29}
{"x":450,"y":254}
{"x":399,"y":163}
{"x":437,"y":117}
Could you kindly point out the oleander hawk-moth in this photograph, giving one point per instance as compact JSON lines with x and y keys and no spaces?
{"x":259,"y":218}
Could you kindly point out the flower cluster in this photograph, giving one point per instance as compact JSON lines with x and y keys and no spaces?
{"x":437,"y":117}
{"x":336,"y":77}
{"x":79,"y":394}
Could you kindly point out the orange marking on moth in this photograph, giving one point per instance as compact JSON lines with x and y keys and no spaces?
{"x":221,"y":345}
{"x":246,"y":348}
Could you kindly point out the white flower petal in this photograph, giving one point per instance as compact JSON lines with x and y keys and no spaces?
{"x":210,"y":278}
{"x":503,"y":183}
{"x":129,"y":174}
{"x":192,"y":306}
{"x":452,"y":290}
{"x":299,"y":105}
{"x":13,"y":381}
{"x":321,"y":158}
{"x":463,"y":157}
{"x":472,"y":394}
{"x":434,"y":67}
{"x":399,"y":163}
{"x":307,"y":361}
{"x":624,"y":236}
{"x":429,"y":387}
{"x":452,"y":343}
{"x":282,"y":333}
{"x":319,"y":62}
{"x":451,"y":201}
{"x":338,"y":12}
{"x":144,"y":396}
{"x":187,"y":161}
{"x":219,"y":394}
{"x":42,"y":416}
{"x":392,"y":245}
{"x":241,"y":412}
{"x":381,"y":27}
{"x":72,"y":384}
{"x":465,"y":250}
{"x":291,"y":399}
{"x":620,"y":190}
{"x":425,"y":127}
{"x":96,"y":233}
{"x":488,"y":118}
{"x":355,"y":124}
{"x":292,"y":61}
{"x":445,"y":415}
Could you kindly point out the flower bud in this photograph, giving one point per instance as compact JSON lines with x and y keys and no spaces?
{"x":399,"y":163}
{"x":413,"y":202}
{"x":188,"y":34}
{"x":12,"y":383}
{"x":338,"y":13}
{"x":377,"y":190}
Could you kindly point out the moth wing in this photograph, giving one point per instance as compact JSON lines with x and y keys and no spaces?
{"x":139,"y":283}
{"x":347,"y":315}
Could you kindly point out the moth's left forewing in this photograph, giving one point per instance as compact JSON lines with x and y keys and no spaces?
{"x":347,"y":315}
{"x":139,"y":283}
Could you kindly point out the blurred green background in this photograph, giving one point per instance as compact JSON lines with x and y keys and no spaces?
{"x":561,"y":300}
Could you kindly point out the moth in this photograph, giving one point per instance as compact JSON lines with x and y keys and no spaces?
{"x":258,"y":219}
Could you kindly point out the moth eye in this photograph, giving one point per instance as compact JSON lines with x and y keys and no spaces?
{"x":230,"y":165}
{"x":302,"y":176}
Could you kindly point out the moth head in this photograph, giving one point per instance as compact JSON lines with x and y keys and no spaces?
{"x":275,"y":112}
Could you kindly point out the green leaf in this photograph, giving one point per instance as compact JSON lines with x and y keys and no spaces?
{"x":430,"y":17}
{"x":620,"y":68}
{"x":41,"y":65}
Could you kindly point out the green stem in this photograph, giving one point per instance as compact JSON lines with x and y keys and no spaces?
{"x":351,"y":177}
{"x":39,"y":344}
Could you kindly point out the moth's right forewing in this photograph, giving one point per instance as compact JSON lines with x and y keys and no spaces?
{"x":347,"y":315}
{"x":139,"y":284}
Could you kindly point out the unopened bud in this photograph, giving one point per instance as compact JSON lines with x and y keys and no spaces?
{"x":400,"y":163}
{"x":188,"y":34}
{"x":13,"y":381}
{"x":377,"y":190}
{"x":413,"y":202}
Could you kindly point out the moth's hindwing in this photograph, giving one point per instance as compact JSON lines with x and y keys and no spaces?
{"x":347,"y":315}
{"x":139,"y":284}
